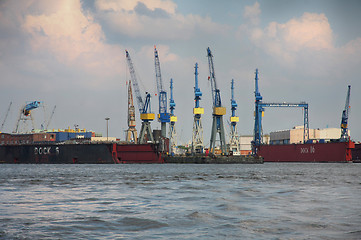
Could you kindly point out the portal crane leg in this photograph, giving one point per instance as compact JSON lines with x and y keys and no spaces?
{"x":234,"y":141}
{"x":146,"y":134}
{"x":217,"y":128}
{"x":197,"y":137}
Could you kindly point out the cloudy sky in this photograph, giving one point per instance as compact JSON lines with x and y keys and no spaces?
{"x":71,"y":54}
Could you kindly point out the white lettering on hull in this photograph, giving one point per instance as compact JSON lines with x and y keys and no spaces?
{"x":42,"y":150}
{"x":305,"y":150}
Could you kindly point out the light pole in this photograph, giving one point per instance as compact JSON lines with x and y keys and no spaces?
{"x":107,"y":119}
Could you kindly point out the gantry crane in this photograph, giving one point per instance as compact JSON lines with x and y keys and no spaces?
{"x":344,"y":120}
{"x":218,"y":110}
{"x":163,"y":116}
{"x":173,"y":120}
{"x":131,"y":135}
{"x":25,"y":114}
{"x":234,"y":139}
{"x":146,"y":115}
{"x":197,"y":135}
{"x":259,"y":113}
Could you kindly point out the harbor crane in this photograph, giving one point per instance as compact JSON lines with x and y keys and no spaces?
{"x":163,"y":116}
{"x":344,"y":120}
{"x":234,"y":140}
{"x":173,"y":120}
{"x":131,"y":133}
{"x":218,"y":110}
{"x":6,"y":116}
{"x":25,"y":115}
{"x":259,"y":113}
{"x":146,"y":115}
{"x":197,"y":136}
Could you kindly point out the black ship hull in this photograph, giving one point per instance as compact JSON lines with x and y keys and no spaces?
{"x":57,"y":153}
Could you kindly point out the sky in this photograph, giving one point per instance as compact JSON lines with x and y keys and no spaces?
{"x":71,"y":54}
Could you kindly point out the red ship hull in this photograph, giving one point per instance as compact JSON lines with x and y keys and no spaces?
{"x":313,"y":152}
{"x":136,"y":153}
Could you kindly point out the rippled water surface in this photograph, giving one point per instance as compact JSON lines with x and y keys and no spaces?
{"x":181,"y":201}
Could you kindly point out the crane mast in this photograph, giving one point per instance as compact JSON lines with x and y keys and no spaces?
{"x":197,"y":134}
{"x":173,"y":120}
{"x":146,"y":115}
{"x":344,"y":120}
{"x":234,"y":140}
{"x":163,"y":116}
{"x":218,"y":110}
{"x":131,"y":135}
{"x":258,"y":113}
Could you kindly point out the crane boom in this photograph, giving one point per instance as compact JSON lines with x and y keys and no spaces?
{"x":218,"y":110}
{"x":158,"y":74}
{"x":164,"y":116}
{"x":344,"y":120}
{"x":134,"y":80}
{"x":51,"y":116}
{"x":212,"y":78}
{"x":6,"y":116}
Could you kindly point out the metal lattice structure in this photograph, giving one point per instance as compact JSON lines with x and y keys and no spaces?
{"x":131,"y":134}
{"x":173,"y":119}
{"x":234,"y":138}
{"x":218,"y":110}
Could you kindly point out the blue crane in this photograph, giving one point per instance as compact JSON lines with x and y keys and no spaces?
{"x":197,"y":134}
{"x":30,"y":106}
{"x":259,"y":113}
{"x":163,"y":116}
{"x":25,"y":114}
{"x":218,"y":110}
{"x":344,"y":120}
{"x":171,"y":100}
{"x":233,"y":101}
{"x":234,"y":140}
{"x":146,"y":115}
{"x":173,"y":120}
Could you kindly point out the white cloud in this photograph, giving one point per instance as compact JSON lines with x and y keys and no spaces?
{"x":309,"y":32}
{"x":74,"y":39}
{"x":154,"y":19}
{"x":252,"y":13}
{"x":120,"y":5}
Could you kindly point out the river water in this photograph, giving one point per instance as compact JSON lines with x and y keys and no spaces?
{"x":181,"y":201}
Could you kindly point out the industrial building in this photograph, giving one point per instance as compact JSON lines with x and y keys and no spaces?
{"x":295,"y":135}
